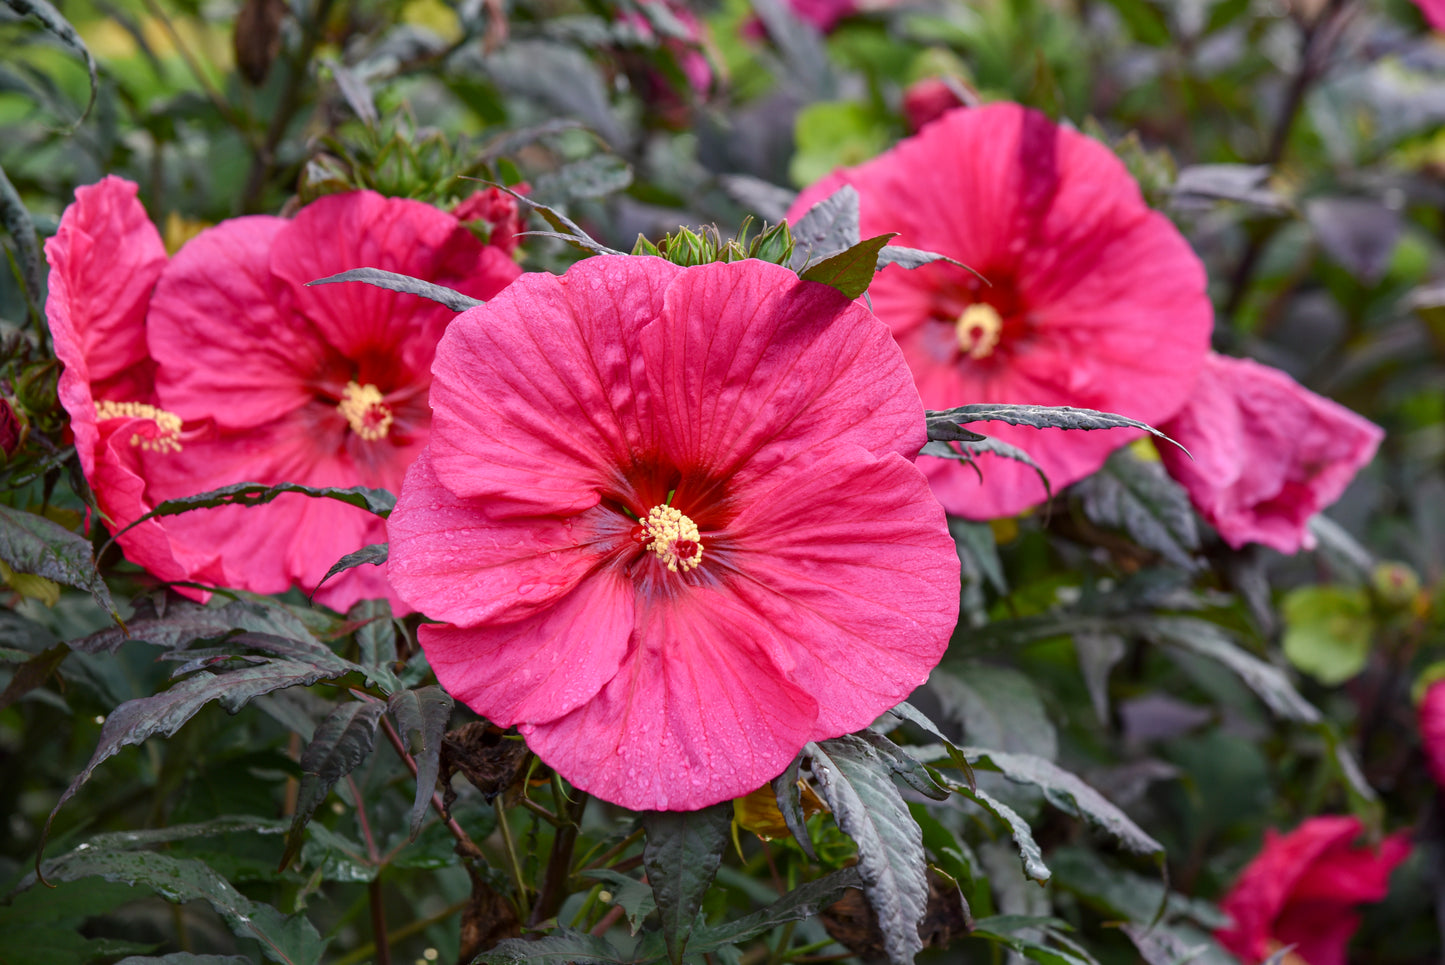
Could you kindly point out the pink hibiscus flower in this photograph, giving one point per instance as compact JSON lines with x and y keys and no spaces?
{"x":1434,"y":11}
{"x":672,"y":520}
{"x":220,"y":366}
{"x":1302,"y":890}
{"x":1267,"y":453}
{"x":1432,"y":730}
{"x":1091,"y":299}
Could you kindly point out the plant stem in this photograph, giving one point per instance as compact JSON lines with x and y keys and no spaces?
{"x":363,"y":952}
{"x":510,"y":847}
{"x":617,"y":849}
{"x":373,"y":889}
{"x":559,"y":862}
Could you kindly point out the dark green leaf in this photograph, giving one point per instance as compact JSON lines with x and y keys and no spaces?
{"x":373,"y":553}
{"x":682,"y":854}
{"x":16,"y":219}
{"x":1001,"y":928}
{"x":801,"y":902}
{"x":907,"y":712}
{"x":1069,"y":792}
{"x":562,"y":947}
{"x":1098,"y":653}
{"x":977,"y":444}
{"x":634,"y":897}
{"x":868,"y":808}
{"x":997,"y":706}
{"x":1210,"y":640}
{"x":911,"y":258}
{"x":826,"y":228}
{"x":406,"y":284}
{"x":32,"y":673}
{"x":291,"y":941}
{"x":183,"y":622}
{"x":233,"y":824}
{"x":1029,"y":852}
{"x":185,"y":958}
{"x":1140,"y":498}
{"x":54,"y":22}
{"x":850,"y":271}
{"x":164,"y":713}
{"x":1038,"y":416}
{"x":790,"y":805}
{"x":377,"y":501}
{"x":33,"y":544}
{"x":421,"y":717}
{"x":910,"y":771}
{"x":341,"y":742}
{"x":978,"y":540}
{"x":567,"y":229}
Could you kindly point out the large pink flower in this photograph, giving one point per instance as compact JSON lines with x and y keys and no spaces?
{"x":1267,"y":453}
{"x":221,"y":367}
{"x":1090,"y":299}
{"x":1302,"y":890}
{"x":672,"y":520}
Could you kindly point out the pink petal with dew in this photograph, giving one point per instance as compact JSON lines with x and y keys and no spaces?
{"x":1267,"y":453}
{"x":362,"y":229}
{"x":700,"y":711}
{"x":538,"y":395}
{"x":292,"y":540}
{"x":1432,"y":729}
{"x":227,"y":347}
{"x":749,"y":364}
{"x":104,"y":262}
{"x":453,"y":562}
{"x":850,"y":560}
{"x":540,"y":667}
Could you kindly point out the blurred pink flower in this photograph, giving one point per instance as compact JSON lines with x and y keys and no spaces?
{"x":824,"y":14}
{"x":1432,"y":729}
{"x":222,"y":367}
{"x":1434,"y":11}
{"x":672,"y":519}
{"x":1091,"y":299}
{"x":9,"y":429}
{"x":1267,"y":453}
{"x":684,"y":37}
{"x":929,"y":99}
{"x":499,"y":211}
{"x":1302,"y":890}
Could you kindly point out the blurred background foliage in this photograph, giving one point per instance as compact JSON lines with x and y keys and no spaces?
{"x":1299,"y":146}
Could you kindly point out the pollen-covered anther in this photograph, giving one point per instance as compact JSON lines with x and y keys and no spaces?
{"x":978,"y":330}
{"x":673,"y":537}
{"x":165,"y":436}
{"x":365,"y":412}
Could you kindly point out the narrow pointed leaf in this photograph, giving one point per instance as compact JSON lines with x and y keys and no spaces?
{"x":373,"y":553}
{"x":341,"y":742}
{"x":15,"y":218}
{"x":1141,"y":499}
{"x":53,"y":21}
{"x":682,"y":854}
{"x":406,"y":284}
{"x":1038,"y":416}
{"x":850,"y":271}
{"x":378,"y":501}
{"x":908,"y":770}
{"x":911,"y":258}
{"x":33,"y":544}
{"x":289,"y":940}
{"x":802,"y":902}
{"x":421,"y":717}
{"x":867,"y":806}
{"x":562,"y":947}
{"x":566,"y":228}
{"x":790,"y":805}
{"x":1030,"y":854}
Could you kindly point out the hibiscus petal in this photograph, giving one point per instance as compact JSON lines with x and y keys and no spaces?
{"x":104,"y":262}
{"x":537,"y":394}
{"x":543,"y":666}
{"x":227,"y":349}
{"x":362,"y":229}
{"x":1267,"y":454}
{"x":850,"y":559}
{"x":454,"y":563}
{"x":697,"y":714}
{"x":749,"y":364}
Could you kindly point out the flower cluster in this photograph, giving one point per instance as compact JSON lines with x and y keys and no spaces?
{"x":221,"y":366}
{"x":1080,"y":295}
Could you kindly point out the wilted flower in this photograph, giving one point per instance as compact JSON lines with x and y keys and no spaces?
{"x":1267,"y":453}
{"x":221,"y":366}
{"x":672,"y":519}
{"x":499,"y":211}
{"x":1302,"y":890}
{"x":1087,"y":298}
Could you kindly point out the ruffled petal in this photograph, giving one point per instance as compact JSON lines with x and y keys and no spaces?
{"x":537,"y":396}
{"x":750,"y":364}
{"x":362,"y":229}
{"x":228,"y":348}
{"x":850,"y":559}
{"x":542,"y":666}
{"x":1267,"y":454}
{"x":453,"y":562}
{"x":698,"y":712}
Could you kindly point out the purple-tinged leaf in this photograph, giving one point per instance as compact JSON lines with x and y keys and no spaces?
{"x":421,"y":717}
{"x":828,"y":227}
{"x":341,"y":742}
{"x":33,"y":544}
{"x":406,"y":284}
{"x":682,"y":854}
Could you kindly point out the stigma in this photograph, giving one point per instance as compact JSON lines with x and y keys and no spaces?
{"x":673,"y":537}
{"x":978,"y":330}
{"x":163,"y":434}
{"x":365,"y":412}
